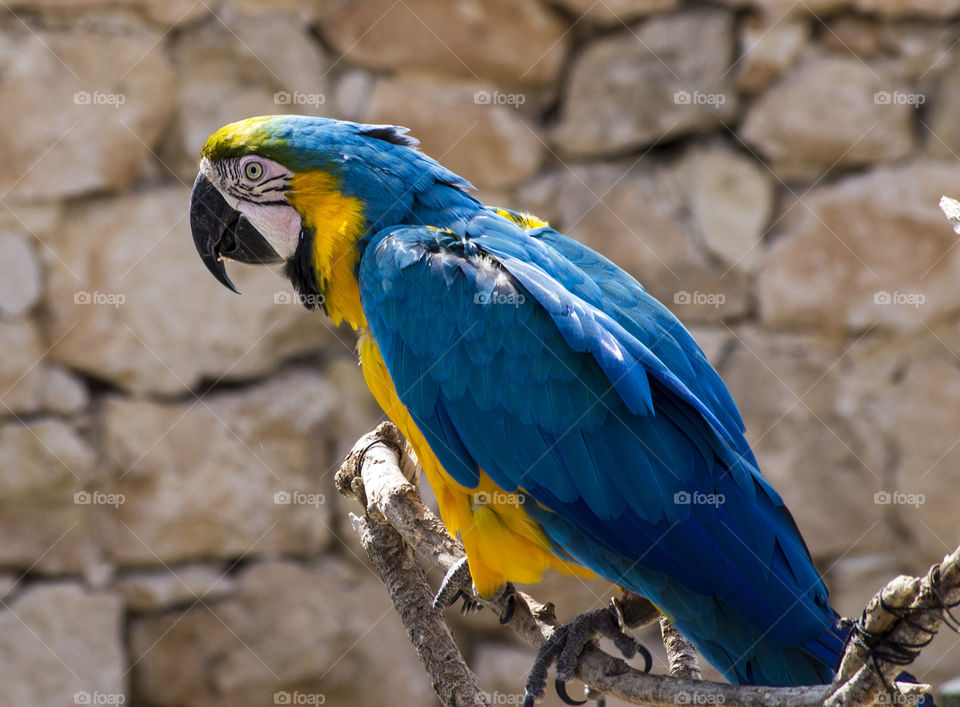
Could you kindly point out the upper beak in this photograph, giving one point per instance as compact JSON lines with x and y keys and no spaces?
{"x":220,"y":233}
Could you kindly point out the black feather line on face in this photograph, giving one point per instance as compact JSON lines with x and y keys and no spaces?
{"x":300,"y":271}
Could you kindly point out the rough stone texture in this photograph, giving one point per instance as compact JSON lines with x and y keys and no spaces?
{"x":42,"y":527}
{"x":511,"y":40}
{"x":20,"y":280}
{"x":20,"y":373}
{"x":201,"y":478}
{"x":322,"y":629}
{"x":167,"y":13}
{"x":786,"y":124}
{"x":614,"y":12}
{"x":768,"y":46}
{"x":639,"y":221}
{"x":88,"y":139}
{"x":909,"y":8}
{"x":489,"y":144}
{"x":45,"y":461}
{"x":132,"y":303}
{"x":731,"y":198}
{"x":942,"y":128}
{"x":900,"y":394}
{"x":847,"y":263}
{"x":630,"y":90}
{"x":784,"y":386}
{"x":187,"y":586}
{"x":895,"y":9}
{"x":60,"y":640}
{"x":788,"y":8}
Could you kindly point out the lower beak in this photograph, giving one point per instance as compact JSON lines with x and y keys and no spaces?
{"x":220,"y":233}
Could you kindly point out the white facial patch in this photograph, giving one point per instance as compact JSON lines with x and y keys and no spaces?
{"x":279,"y":223}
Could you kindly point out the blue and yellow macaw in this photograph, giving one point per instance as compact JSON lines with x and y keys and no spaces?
{"x":564,"y":418}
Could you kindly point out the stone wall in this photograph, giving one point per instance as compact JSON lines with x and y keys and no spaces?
{"x":769,"y":169}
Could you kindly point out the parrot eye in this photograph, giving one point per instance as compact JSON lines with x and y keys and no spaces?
{"x":253,"y":171}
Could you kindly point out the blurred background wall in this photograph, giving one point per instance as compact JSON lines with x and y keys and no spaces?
{"x":769,"y":169}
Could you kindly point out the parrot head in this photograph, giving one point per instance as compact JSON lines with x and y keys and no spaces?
{"x":307,"y":192}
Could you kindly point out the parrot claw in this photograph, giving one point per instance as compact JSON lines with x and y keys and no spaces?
{"x":566,"y":643}
{"x":561,"y":687}
{"x":511,"y":605}
{"x":457,"y":584}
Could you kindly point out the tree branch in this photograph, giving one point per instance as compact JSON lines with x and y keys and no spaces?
{"x":681,"y":655}
{"x":380,"y":472}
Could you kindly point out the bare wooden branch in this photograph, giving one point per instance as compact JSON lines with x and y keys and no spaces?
{"x":908,"y":612}
{"x":454,"y":683}
{"x":379,"y":473}
{"x":681,"y":655}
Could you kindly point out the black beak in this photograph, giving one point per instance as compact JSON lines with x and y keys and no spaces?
{"x":220,"y":233}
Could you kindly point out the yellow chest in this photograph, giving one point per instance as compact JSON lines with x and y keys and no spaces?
{"x":502,"y":542}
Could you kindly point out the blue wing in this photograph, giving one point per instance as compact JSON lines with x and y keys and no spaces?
{"x":527,"y":355}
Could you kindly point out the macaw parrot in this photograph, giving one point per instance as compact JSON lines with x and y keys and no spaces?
{"x":564,"y":418}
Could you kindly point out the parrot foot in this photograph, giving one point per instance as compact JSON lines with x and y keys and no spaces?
{"x":566,"y":643}
{"x":458,"y":584}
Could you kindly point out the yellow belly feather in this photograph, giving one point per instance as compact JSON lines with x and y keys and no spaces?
{"x":502,"y":542}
